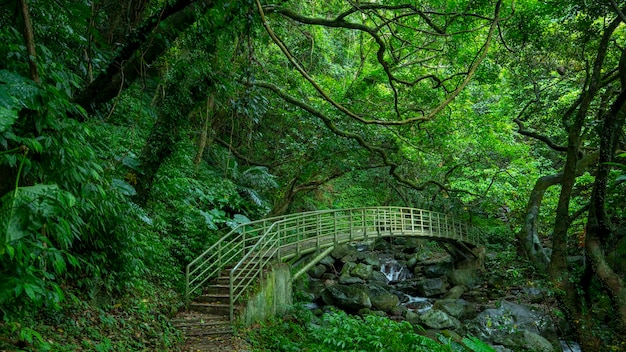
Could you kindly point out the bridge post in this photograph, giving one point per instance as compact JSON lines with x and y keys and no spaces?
{"x":335,"y":228}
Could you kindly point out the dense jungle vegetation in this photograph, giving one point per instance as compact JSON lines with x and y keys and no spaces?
{"x":134,"y":132}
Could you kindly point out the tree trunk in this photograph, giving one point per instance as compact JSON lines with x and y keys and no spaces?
{"x":528,"y":237}
{"x":598,"y":225}
{"x":202,"y":139}
{"x":29,"y":38}
{"x":127,"y":65}
{"x":558,"y":270}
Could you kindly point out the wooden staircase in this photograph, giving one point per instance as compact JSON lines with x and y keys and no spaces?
{"x":208,"y":315}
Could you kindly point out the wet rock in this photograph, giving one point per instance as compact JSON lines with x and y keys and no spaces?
{"x":315,"y":288}
{"x":362,"y":271}
{"x":349,"y":258}
{"x":465,"y":277}
{"x":412,"y":317}
{"x":437,"y":319}
{"x":347,"y":268}
{"x":398,"y":310}
{"x":381,"y":298}
{"x":372,"y":259}
{"x":328,"y":261}
{"x":411,"y":263}
{"x":432,"y":287}
{"x":317,"y":271}
{"x":350,"y":298}
{"x":505,"y":325}
{"x":346,"y":279}
{"x":412,"y":243}
{"x":534,"y":342}
{"x":378,"y":277}
{"x":418,"y":304}
{"x":381,"y":244}
{"x":342,"y":251}
{"x":455,"y":292}
{"x":408,"y":287}
{"x":458,"y":308}
{"x":434,"y":271}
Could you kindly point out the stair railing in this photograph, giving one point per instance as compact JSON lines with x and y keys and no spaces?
{"x":254,"y":245}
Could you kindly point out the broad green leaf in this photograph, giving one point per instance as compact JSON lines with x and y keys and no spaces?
{"x":7,"y":118}
{"x":123,"y":187}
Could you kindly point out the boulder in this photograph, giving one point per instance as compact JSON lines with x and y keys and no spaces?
{"x":349,"y":298}
{"x":370,"y":258}
{"x":508,"y":324}
{"x":458,"y":308}
{"x":455,"y":293}
{"x":412,"y":317}
{"x":381,"y":298}
{"x":432,"y":287}
{"x":436,"y":319}
{"x":343,"y":250}
{"x":317,"y":271}
{"x":347,"y":279}
{"x":362,"y":271}
{"x":328,"y":261}
{"x":381,"y":244}
{"x":408,"y":287}
{"x":412,"y":243}
{"x":465,"y":277}
{"x":434,"y":271}
{"x":347,"y":268}
{"x":535,"y":342}
{"x":378,"y":277}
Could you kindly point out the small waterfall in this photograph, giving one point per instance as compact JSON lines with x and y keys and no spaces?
{"x":569,"y":346}
{"x":419,"y":304}
{"x":394,"y":271}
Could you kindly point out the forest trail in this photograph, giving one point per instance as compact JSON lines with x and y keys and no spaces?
{"x":204,"y":331}
{"x":215,"y":343}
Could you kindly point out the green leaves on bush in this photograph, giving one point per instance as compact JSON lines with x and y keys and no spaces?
{"x":338,"y":331}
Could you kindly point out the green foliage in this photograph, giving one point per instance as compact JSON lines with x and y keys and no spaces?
{"x":338,"y":331}
{"x":129,"y":324}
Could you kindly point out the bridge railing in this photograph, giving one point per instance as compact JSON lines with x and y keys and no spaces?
{"x":254,"y":245}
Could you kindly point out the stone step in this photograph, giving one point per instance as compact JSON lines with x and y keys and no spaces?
{"x":217,"y":289}
{"x":211,"y":308}
{"x":190,"y":317}
{"x":202,"y":330}
{"x":213,"y":298}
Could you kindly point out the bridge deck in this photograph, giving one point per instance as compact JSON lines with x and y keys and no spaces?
{"x":249,"y":248}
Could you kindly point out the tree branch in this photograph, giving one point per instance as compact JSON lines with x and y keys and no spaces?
{"x":381,"y":59}
{"x":358,"y":138}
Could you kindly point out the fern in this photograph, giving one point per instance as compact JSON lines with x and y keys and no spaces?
{"x":474,"y":344}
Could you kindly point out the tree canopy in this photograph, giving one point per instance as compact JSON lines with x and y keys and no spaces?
{"x":132,"y":131}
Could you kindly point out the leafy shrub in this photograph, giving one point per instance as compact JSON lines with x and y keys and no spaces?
{"x":338,"y":331}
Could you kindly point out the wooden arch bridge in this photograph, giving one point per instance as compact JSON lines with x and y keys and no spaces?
{"x":236,"y":262}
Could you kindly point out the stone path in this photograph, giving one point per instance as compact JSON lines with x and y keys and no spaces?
{"x":218,"y":343}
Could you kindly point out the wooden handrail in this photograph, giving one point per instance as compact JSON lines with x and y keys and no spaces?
{"x":251,"y":247}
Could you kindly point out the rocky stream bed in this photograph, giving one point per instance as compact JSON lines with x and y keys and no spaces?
{"x":404,"y":281}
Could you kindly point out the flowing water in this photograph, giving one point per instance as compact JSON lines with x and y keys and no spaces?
{"x":394,"y":271}
{"x":569,"y":346}
{"x":420,"y":305}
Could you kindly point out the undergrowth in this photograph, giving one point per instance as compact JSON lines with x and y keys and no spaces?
{"x":100,"y":323}
{"x":338,"y":331}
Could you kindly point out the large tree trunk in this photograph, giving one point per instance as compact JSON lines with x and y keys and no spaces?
{"x":202,"y":139}
{"x":528,"y":237}
{"x":29,"y":39}
{"x":558,"y":270}
{"x":127,"y":66}
{"x":599,"y":224}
